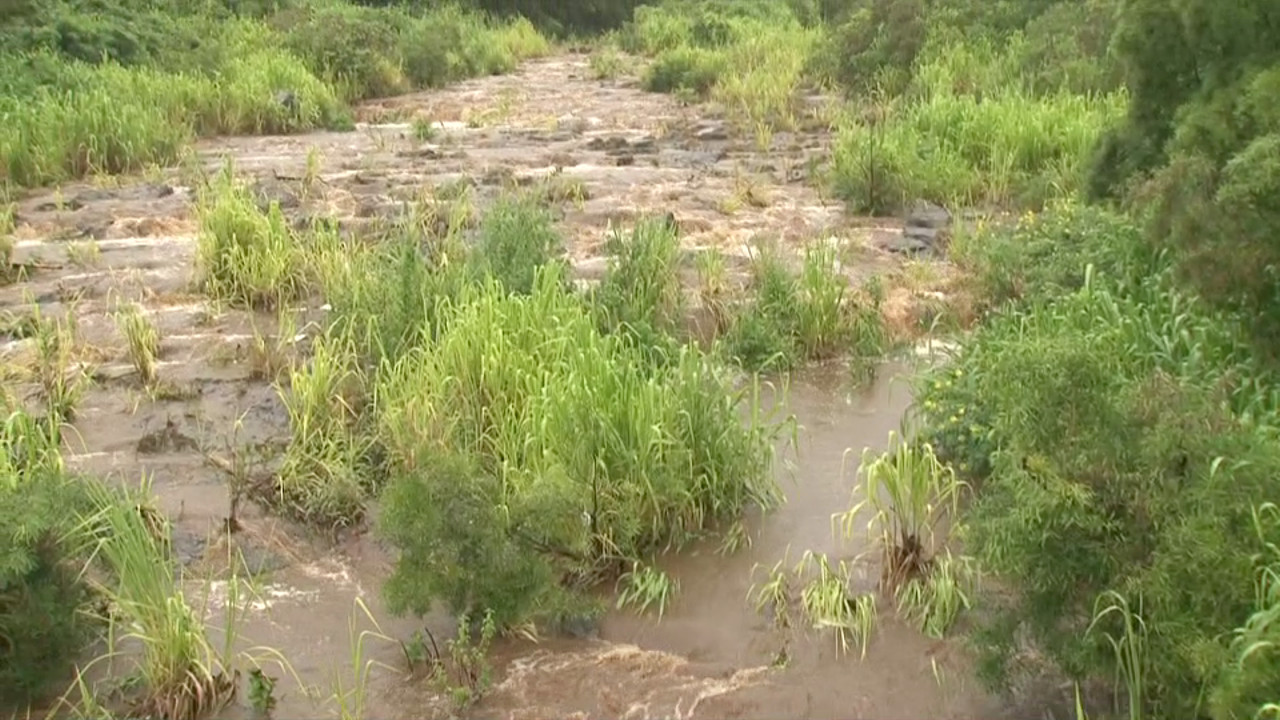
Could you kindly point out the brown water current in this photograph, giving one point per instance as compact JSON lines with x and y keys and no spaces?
{"x":613,"y":152}
{"x":709,"y":656}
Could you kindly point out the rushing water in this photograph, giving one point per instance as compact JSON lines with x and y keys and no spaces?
{"x":710,"y":655}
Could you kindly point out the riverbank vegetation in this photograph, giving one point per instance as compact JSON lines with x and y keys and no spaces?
{"x":1103,"y":440}
{"x":115,"y":88}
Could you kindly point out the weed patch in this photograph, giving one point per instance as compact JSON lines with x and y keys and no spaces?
{"x":624,"y":461}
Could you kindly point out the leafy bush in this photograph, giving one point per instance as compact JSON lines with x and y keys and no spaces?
{"x":354,"y":47}
{"x":1204,"y":86}
{"x":875,"y":46}
{"x":1110,"y":452}
{"x":1044,"y":256}
{"x":446,"y":518}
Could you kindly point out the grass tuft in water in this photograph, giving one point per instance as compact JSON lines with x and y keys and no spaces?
{"x":142,"y":342}
{"x":910,"y":492}
{"x":827,"y":603}
{"x":244,"y":256}
{"x":645,"y":586}
{"x":182,"y":676}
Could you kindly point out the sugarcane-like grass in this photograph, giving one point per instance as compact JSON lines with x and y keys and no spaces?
{"x":600,"y":457}
{"x":183,"y":676}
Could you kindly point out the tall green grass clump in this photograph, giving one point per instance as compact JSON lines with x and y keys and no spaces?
{"x":794,"y":318}
{"x":120,"y":89}
{"x":580,"y":455}
{"x":116,"y":119}
{"x":915,"y":504}
{"x":244,"y":256}
{"x":326,"y":476}
{"x":640,"y":295}
{"x":958,"y":145}
{"x":393,"y":295}
{"x":42,"y":623}
{"x":182,"y":676}
{"x":1114,"y":429}
{"x":750,"y":57}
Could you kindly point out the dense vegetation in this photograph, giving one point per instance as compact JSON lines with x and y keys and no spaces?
{"x":1113,"y":413}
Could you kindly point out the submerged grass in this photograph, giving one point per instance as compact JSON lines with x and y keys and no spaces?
{"x":645,"y":586}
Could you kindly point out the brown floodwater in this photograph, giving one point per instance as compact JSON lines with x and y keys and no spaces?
{"x":710,"y":655}
{"x":613,"y":152}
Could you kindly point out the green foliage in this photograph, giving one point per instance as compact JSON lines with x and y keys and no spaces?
{"x":1248,"y":683}
{"x":353,"y":46}
{"x":644,"y":586}
{"x":685,"y":68}
{"x":1112,"y":427}
{"x":42,"y":626}
{"x":876,"y":45}
{"x":963,"y":148}
{"x":748,"y":56}
{"x":243,"y":255}
{"x":516,"y":239}
{"x":101,"y":87}
{"x":1202,"y":126}
{"x":640,"y":294}
{"x":593,"y":453}
{"x":793,"y":318}
{"x":447,"y":517}
{"x":1044,"y":256}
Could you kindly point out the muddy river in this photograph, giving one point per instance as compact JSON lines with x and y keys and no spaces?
{"x":709,"y":656}
{"x":616,"y":152}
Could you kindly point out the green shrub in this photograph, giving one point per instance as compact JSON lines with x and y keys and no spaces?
{"x":353,"y":47}
{"x":1110,"y":453}
{"x":448,"y":45}
{"x":1044,"y":256}
{"x":42,"y":626}
{"x":1067,"y":47}
{"x":446,"y":517}
{"x":875,"y":46}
